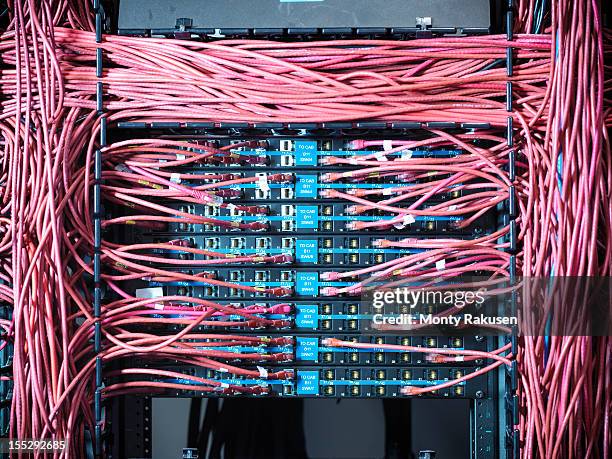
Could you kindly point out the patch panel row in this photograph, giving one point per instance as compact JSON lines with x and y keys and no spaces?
{"x":311,"y":349}
{"x":308,"y":219}
{"x":332,"y":250}
{"x":342,"y":381}
{"x":287,"y":282}
{"x":303,"y":185}
{"x":282,"y":152}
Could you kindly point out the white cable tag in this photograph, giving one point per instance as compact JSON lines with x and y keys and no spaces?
{"x":380,"y":156}
{"x":263,"y":373}
{"x":154,"y":292}
{"x":407,"y":220}
{"x":460,"y":358}
{"x":180,"y":157}
{"x":223,"y":370}
{"x":406,"y":154}
{"x":175,"y":177}
{"x":453,"y":207}
{"x":388,"y":191}
{"x":387,"y":145}
{"x":224,"y":385}
{"x":159,"y":306}
{"x":262,"y":183}
{"x":441,"y":265}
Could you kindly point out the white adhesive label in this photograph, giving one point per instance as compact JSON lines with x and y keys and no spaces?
{"x":223,"y":370}
{"x":380,"y":156}
{"x":154,"y":292}
{"x":158,"y":306}
{"x":388,"y":191}
{"x":175,"y":177}
{"x":452,"y":207}
{"x":263,"y":373}
{"x":262,"y":183}
{"x":387,"y":145}
{"x":406,"y":154}
{"x":440,"y":265}
{"x":180,"y":157}
{"x":459,"y":358}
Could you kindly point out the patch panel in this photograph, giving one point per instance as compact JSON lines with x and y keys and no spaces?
{"x":311,"y":349}
{"x":343,"y":381}
{"x":307,"y":218}
{"x":310,"y":152}
{"x":304,"y":251}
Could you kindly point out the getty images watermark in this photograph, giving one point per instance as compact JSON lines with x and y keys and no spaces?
{"x":523,"y":306}
{"x":434,"y":307}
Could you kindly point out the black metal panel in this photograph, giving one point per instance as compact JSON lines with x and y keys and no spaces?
{"x":333,"y":16}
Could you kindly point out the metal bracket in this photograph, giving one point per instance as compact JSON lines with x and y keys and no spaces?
{"x":182,"y":24}
{"x":423,"y":27}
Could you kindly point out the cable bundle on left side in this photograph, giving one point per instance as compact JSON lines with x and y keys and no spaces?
{"x":42,"y":140}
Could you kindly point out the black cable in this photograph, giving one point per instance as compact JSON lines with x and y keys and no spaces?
{"x":193,"y":428}
{"x":210,"y":417}
{"x":398,"y":428}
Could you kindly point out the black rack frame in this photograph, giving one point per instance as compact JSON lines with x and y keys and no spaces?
{"x":497,"y":414}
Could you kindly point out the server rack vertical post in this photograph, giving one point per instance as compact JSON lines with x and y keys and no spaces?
{"x":509,"y":379}
{"x":99,"y":14}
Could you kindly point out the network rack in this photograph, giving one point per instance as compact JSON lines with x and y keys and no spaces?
{"x":310,"y":231}
{"x":302,"y":222}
